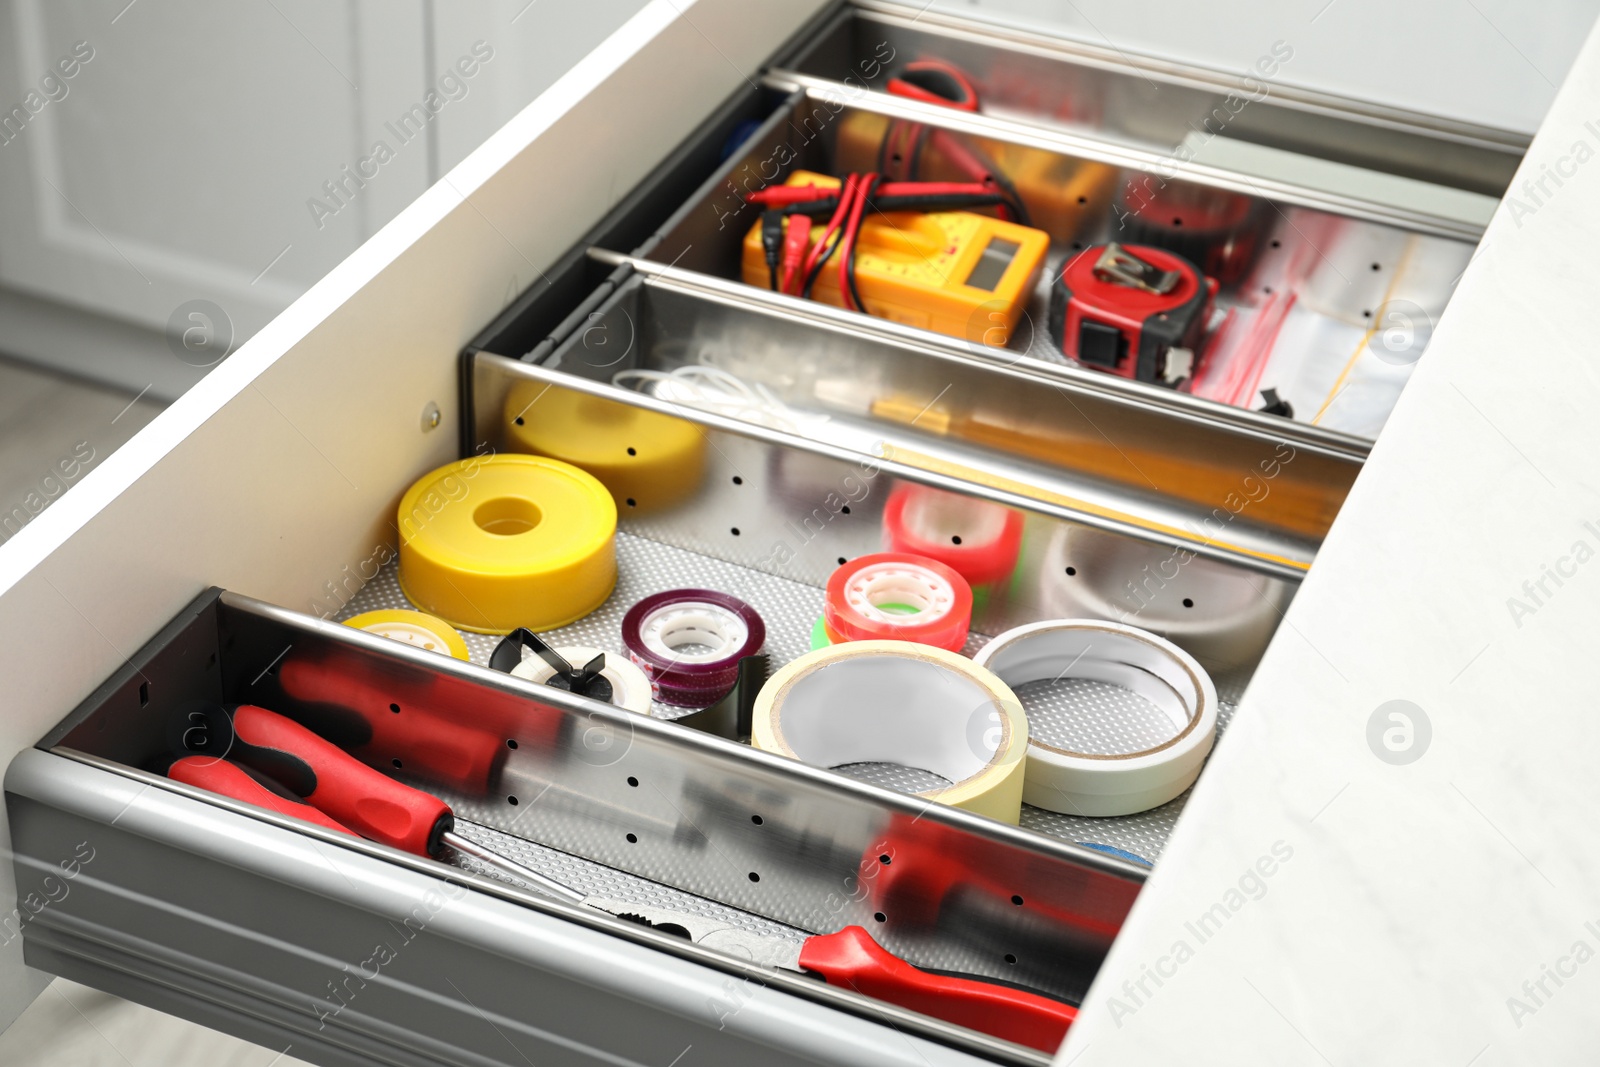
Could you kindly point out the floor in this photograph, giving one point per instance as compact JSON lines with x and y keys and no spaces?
{"x":53,"y":431}
{"x":74,"y":1026}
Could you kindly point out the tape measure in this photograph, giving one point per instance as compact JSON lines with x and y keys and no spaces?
{"x":954,"y":272}
{"x":1133,"y":311}
{"x":1218,"y":230}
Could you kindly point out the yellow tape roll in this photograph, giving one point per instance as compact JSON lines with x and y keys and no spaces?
{"x":490,"y":544}
{"x":909,"y":704}
{"x":647,"y":460}
{"x":415,"y":628}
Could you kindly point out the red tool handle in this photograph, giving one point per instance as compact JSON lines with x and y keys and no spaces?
{"x":851,"y":958}
{"x":229,"y":780}
{"x":369,"y":802}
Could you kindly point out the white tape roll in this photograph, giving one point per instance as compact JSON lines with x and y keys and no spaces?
{"x":1078,"y":783}
{"x":629,"y":687}
{"x":1219,"y":613}
{"x":903,"y":703}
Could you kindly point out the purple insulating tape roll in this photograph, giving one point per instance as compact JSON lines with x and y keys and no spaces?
{"x":689,"y":698}
{"x":690,"y":641}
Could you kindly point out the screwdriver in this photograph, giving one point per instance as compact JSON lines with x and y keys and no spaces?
{"x":346,"y":795}
{"x":335,"y":785}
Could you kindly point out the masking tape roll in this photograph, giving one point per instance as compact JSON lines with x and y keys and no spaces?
{"x":629,"y":687}
{"x":904,"y":703}
{"x":415,"y":628}
{"x":490,"y":544}
{"x":648,"y":461}
{"x":1078,"y":783}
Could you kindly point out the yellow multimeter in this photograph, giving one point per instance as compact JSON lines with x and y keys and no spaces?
{"x":954,"y":272}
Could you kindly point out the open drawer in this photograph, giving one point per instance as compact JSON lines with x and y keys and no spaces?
{"x":610,"y":803}
{"x":277,"y":478}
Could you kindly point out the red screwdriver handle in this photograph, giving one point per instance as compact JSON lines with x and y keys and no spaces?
{"x":852,"y":959}
{"x":229,"y":780}
{"x":367,"y":801}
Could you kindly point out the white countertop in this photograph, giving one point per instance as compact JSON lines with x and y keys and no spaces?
{"x":1445,"y":910}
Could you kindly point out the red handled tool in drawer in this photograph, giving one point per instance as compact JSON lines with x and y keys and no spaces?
{"x":231,"y":780}
{"x":851,"y":959}
{"x":348,"y":794}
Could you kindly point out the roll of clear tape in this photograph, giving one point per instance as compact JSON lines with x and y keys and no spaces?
{"x":630,"y":689}
{"x":901,"y":703}
{"x":1079,"y":783}
{"x":414,"y":628}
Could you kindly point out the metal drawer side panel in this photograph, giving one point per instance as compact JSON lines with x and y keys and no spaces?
{"x":278,"y":472}
{"x":1157,"y":102}
{"x":851,"y":378}
{"x":348,"y":959}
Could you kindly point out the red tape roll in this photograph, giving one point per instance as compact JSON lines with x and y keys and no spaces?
{"x":977,"y":539}
{"x":859,"y":592}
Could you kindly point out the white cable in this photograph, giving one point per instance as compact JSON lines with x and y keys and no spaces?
{"x":711,"y":388}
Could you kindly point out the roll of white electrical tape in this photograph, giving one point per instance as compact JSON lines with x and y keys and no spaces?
{"x":1079,"y":783}
{"x":901,"y":703}
{"x":629,"y":687}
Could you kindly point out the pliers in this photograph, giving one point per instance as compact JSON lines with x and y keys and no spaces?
{"x":343,"y":794}
{"x":852,"y":959}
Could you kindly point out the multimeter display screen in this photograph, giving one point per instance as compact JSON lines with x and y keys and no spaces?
{"x":991,"y":266}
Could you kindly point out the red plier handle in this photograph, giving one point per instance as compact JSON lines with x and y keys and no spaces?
{"x":853,"y":960}
{"x":356,"y":797}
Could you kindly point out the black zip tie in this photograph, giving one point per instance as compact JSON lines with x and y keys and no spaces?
{"x":584,"y":681}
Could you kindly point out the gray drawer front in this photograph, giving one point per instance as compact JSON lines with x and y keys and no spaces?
{"x":346,"y":958}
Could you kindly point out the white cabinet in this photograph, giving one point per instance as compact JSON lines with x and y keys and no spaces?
{"x":235,"y":153}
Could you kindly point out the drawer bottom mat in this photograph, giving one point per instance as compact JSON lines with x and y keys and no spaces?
{"x":1090,"y":715}
{"x":598,"y":880}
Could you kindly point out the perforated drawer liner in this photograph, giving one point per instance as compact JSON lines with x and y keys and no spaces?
{"x":1091,"y":716}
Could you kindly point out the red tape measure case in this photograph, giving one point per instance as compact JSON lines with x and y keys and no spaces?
{"x":1132,"y":310}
